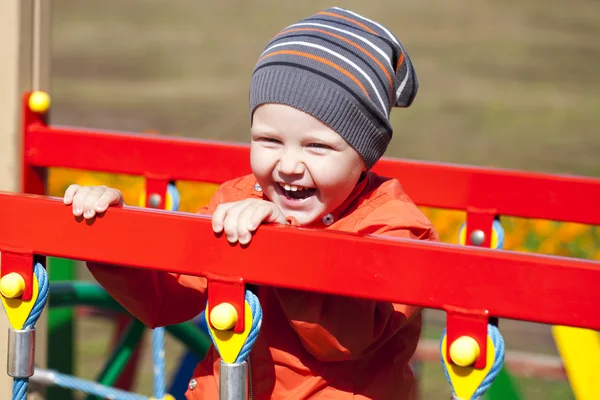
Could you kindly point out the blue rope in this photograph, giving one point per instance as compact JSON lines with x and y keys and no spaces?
{"x":20,"y":385}
{"x":256,"y":324}
{"x":20,"y":388}
{"x":94,"y":388}
{"x":40,"y":302}
{"x":256,"y":310}
{"x":158,"y":353}
{"x":172,"y":190}
{"x":497,"y":226}
{"x":498,"y":342}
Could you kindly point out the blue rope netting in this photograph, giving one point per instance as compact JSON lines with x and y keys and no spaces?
{"x":498,"y":341}
{"x":256,"y":310}
{"x":20,"y":384}
{"x":93,"y":388}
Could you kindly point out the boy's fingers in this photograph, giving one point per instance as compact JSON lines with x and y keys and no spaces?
{"x":277,"y":216}
{"x":69,"y":193}
{"x":95,"y":193}
{"x":244,"y":222}
{"x":79,"y":200}
{"x":109,"y":198}
{"x":230,"y":222}
{"x":259,"y":214}
{"x":218,"y":216}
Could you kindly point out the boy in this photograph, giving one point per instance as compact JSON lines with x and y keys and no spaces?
{"x":320,"y":99}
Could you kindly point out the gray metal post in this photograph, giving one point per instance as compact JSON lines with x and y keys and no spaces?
{"x":233,"y":381}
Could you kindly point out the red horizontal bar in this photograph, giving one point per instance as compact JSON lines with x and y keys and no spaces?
{"x":450,"y":186}
{"x":508,"y":192}
{"x":135,"y":154}
{"x":545,"y":289}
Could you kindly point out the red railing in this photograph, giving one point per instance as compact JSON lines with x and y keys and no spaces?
{"x":546,"y":289}
{"x":449,"y":186}
{"x":469,"y":283}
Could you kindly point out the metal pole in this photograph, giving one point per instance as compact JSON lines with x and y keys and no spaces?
{"x":233,"y":381}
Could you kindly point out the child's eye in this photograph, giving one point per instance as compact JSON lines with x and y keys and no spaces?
{"x":319,"y":146}
{"x":269,"y":140}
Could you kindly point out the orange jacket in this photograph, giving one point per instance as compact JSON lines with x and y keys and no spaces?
{"x":311,"y":345}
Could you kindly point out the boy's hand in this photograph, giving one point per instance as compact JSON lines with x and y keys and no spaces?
{"x":238,"y":219}
{"x":89,"y":200}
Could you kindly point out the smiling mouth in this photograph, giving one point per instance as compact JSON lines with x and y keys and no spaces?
{"x":293,"y":192}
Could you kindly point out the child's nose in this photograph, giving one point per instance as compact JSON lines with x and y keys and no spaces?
{"x":291,"y":164}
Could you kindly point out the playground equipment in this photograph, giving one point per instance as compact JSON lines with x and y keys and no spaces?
{"x":469,"y":283}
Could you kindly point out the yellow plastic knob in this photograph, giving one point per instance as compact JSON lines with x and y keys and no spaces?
{"x":39,"y":102}
{"x":12,"y":285}
{"x":464,"y":351}
{"x":223,"y":316}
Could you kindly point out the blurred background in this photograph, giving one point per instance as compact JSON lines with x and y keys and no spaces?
{"x":504,"y":83}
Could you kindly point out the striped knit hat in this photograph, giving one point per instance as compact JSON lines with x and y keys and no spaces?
{"x":343,"y":69}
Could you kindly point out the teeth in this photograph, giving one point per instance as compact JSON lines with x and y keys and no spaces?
{"x":292,"y":188}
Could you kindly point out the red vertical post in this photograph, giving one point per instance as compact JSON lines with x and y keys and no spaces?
{"x":33,"y":179}
{"x":478,"y":232}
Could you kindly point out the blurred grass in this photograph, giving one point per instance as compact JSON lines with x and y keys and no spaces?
{"x":503,"y":83}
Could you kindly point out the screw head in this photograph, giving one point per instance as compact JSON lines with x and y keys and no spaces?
{"x":477,"y":237}
{"x":154,"y":200}
{"x":328,"y":219}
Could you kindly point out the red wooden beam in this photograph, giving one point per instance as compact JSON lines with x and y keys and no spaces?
{"x":544,"y":289}
{"x":450,"y":186}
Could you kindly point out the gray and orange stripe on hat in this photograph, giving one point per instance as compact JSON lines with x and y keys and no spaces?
{"x":343,"y":69}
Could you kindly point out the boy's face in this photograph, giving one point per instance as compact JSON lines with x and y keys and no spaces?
{"x":302,"y":165}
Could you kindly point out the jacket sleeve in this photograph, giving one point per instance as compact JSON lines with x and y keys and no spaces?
{"x":335,"y":328}
{"x":157,"y":298}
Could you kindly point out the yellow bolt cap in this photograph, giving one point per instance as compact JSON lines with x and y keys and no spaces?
{"x":12,"y":285}
{"x":223,"y":316}
{"x":464,"y":351}
{"x":39,"y":102}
